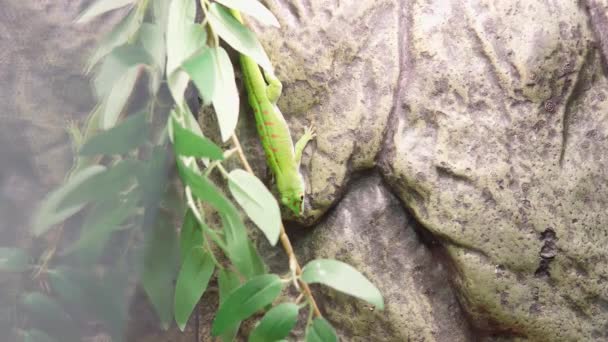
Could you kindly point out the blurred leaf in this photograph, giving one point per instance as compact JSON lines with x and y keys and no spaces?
{"x":67,"y":284}
{"x":152,"y":39}
{"x":192,"y":282}
{"x":228,"y":281}
{"x":104,"y":184}
{"x":45,"y":307}
{"x":105,"y":218}
{"x":122,"y":33}
{"x":259,"y":204}
{"x":99,"y":7}
{"x":321,"y":331}
{"x":117,"y":63}
{"x":122,"y":138}
{"x":154,"y":176}
{"x":51,"y":212}
{"x":213,"y":76}
{"x":245,"y":301}
{"x":13,"y":260}
{"x":257,"y":265}
{"x":189,"y":144}
{"x":237,"y":35}
{"x":276,"y":324}
{"x":116,"y":100}
{"x":342,"y":277}
{"x":191,"y":235}
{"x":253,"y":8}
{"x":159,"y":266}
{"x":161,"y":12}
{"x":34,"y":335}
{"x":184,"y":38}
{"x":237,"y":244}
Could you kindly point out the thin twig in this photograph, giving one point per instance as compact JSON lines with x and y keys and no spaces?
{"x":293,"y":260}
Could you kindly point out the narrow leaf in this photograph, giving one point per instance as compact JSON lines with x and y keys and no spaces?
{"x":253,"y":8}
{"x":13,"y":260}
{"x":114,"y":104}
{"x":189,"y":144}
{"x":191,"y":284}
{"x":234,"y":229}
{"x":105,"y":184}
{"x":213,"y":75}
{"x":100,"y":7}
{"x":259,"y":204}
{"x":245,"y":301}
{"x":159,"y":265}
{"x":276,"y":324}
{"x":126,"y":136}
{"x":116,"y":64}
{"x":342,"y":277}
{"x":191,"y":235}
{"x":184,"y":38}
{"x":50,"y":213}
{"x":227,"y":282}
{"x":237,"y":35}
{"x":321,"y":331}
{"x":122,"y":33}
{"x":202,"y":69}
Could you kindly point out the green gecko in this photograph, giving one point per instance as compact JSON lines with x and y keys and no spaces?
{"x":281,"y":156}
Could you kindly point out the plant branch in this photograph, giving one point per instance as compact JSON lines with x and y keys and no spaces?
{"x":293,"y":260}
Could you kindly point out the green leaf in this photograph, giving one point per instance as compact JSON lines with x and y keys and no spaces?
{"x":191,"y":235}
{"x":122,"y":33}
{"x":202,"y":69}
{"x":184,"y":38}
{"x":234,"y":229}
{"x":342,"y":277}
{"x":13,"y":260}
{"x":51,"y":212}
{"x":321,"y":331}
{"x":213,"y":76}
{"x":227,"y":282}
{"x":116,"y":100}
{"x":159,"y":264}
{"x":253,"y":8}
{"x":101,"y":221}
{"x":257,"y":265}
{"x":100,"y":7}
{"x":37,"y":336}
{"x":237,"y":35}
{"x":126,"y":136}
{"x":259,"y":204}
{"x":189,"y":144}
{"x":67,"y":284}
{"x":191,"y":284}
{"x":104,"y":185}
{"x":245,"y":301}
{"x":45,"y":307}
{"x":116,"y":64}
{"x":276,"y":324}
{"x":152,"y":40}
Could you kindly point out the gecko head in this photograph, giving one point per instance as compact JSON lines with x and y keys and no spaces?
{"x":294,"y":201}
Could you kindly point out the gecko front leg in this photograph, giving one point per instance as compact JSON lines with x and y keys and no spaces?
{"x":309,"y":134}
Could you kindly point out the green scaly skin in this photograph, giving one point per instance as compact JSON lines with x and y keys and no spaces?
{"x":281,"y":155}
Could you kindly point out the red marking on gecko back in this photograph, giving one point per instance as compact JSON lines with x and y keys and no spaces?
{"x":265,"y":112}
{"x":274,"y":136}
{"x":268,"y":123}
{"x":274,"y":149}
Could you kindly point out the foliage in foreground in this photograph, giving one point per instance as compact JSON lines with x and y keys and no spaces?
{"x":124,"y":205}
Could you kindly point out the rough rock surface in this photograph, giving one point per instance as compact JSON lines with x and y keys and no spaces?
{"x":498,"y":146}
{"x":419,"y":307}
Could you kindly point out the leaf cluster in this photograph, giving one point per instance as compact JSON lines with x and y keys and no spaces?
{"x":119,"y":187}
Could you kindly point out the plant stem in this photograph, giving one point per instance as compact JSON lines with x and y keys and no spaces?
{"x":293,"y":260}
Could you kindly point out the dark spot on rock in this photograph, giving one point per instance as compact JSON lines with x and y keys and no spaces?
{"x":550,"y":106}
{"x":543,"y":269}
{"x":547,"y":252}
